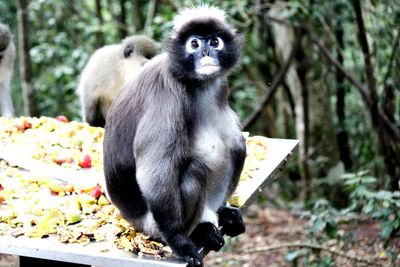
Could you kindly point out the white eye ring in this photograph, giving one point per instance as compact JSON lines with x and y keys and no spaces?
{"x":220,"y":45}
{"x":191,"y":45}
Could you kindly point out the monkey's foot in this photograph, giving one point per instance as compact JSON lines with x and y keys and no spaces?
{"x":191,"y":256}
{"x":185,"y":249}
{"x":208,"y":236}
{"x":231,"y":221}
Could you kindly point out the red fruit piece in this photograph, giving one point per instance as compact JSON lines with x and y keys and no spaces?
{"x":86,"y":161}
{"x":60,"y":160}
{"x":27,"y":125}
{"x":20,"y":127}
{"x":62,"y":118}
{"x":96,"y":192}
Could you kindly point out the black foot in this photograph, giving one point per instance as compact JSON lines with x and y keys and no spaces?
{"x":208,"y":236}
{"x":185,"y":249}
{"x":231,"y":221}
{"x":190,"y":254}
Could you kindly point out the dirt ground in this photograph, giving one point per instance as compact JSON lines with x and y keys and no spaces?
{"x":268,"y":228}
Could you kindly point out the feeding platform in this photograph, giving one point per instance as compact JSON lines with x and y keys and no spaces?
{"x":52,"y":206}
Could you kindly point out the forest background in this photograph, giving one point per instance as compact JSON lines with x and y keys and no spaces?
{"x":324,"y":72}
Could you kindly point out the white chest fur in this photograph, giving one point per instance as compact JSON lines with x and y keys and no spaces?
{"x":209,"y":147}
{"x":216,"y":130}
{"x":216,"y":134}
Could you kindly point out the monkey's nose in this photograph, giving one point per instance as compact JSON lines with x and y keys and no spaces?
{"x":205,"y":52}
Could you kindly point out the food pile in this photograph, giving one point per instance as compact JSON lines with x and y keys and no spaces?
{"x":256,"y":149}
{"x":37,"y":206}
{"x":68,"y":144}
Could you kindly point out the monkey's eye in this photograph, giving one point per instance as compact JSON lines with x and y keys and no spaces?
{"x":192,"y":44}
{"x":217,"y":43}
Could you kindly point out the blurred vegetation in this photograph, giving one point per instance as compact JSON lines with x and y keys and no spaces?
{"x":331,"y":181}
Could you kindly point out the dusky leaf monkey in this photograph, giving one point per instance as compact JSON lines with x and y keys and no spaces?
{"x":173,"y":147}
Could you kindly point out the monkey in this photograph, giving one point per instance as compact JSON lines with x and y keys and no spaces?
{"x":173,"y":147}
{"x":107,"y":70}
{"x":7,"y":59}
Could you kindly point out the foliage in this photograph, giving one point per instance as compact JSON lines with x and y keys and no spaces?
{"x":381,"y":205}
{"x":325,"y":220}
{"x":306,"y":257}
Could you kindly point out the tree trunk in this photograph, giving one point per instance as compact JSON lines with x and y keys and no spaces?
{"x":137,"y":15}
{"x":123,"y":32}
{"x":390,"y":147}
{"x":284,"y":37}
{"x":30,"y":108}
{"x":342,"y":136}
{"x":151,"y":9}
{"x":99,"y":32}
{"x":303,"y":108}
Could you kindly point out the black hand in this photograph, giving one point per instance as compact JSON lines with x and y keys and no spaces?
{"x":231,"y":221}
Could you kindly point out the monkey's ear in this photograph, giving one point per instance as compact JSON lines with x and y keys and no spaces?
{"x":128,"y":51}
{"x":240,"y":39}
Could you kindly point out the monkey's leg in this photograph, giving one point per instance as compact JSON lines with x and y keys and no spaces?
{"x":231,"y":221}
{"x":161,"y":188}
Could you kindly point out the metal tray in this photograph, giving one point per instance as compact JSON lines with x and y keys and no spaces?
{"x":106,"y":254}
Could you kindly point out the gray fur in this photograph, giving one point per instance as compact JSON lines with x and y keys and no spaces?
{"x":7,"y":59}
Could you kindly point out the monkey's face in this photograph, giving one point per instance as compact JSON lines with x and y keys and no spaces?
{"x":203,"y":50}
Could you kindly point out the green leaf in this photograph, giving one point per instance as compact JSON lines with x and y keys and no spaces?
{"x":331,"y":229}
{"x":293,"y":255}
{"x":319,"y":225}
{"x":387,"y":229}
{"x":368,"y":208}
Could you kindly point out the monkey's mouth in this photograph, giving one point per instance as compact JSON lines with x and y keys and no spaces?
{"x":207,"y":66}
{"x":207,"y":69}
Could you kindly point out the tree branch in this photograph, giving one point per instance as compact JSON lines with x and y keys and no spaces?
{"x":392,"y":128}
{"x":361,"y":88}
{"x":311,"y":246}
{"x":274,"y":87}
{"x":362,"y":36}
{"x":392,"y":57}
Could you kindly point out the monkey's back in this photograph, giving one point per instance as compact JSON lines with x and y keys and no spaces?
{"x":122,"y":121}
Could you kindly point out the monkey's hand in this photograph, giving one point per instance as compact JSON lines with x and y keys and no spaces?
{"x":231,"y":221}
{"x":185,"y":249}
{"x":208,"y":236}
